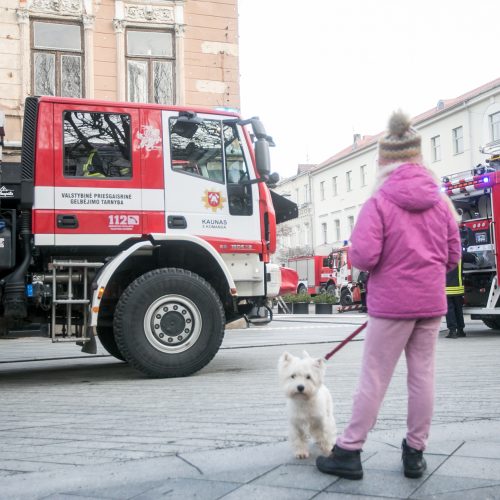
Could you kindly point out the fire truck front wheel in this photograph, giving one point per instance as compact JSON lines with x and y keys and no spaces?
{"x":345,"y":297}
{"x":169,"y":323}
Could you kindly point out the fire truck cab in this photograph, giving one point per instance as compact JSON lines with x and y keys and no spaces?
{"x":149,"y":226}
{"x":476,"y":196}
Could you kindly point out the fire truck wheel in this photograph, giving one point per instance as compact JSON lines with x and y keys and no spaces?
{"x":330,"y":289}
{"x":494,"y":323}
{"x":301,"y":289}
{"x":169,"y":323}
{"x":107,"y":339}
{"x":345,"y":297}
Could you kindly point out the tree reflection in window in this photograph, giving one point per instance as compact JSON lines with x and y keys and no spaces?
{"x":196,"y":148}
{"x":97,"y":145}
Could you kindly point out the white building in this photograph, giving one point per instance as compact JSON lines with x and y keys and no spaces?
{"x":452,"y":135}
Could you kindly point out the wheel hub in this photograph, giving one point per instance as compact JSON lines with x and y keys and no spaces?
{"x":172,"y":323}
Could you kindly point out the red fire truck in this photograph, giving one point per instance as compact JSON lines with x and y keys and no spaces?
{"x":314,"y":272}
{"x":146,"y":225}
{"x":345,"y":277}
{"x":476,"y":196}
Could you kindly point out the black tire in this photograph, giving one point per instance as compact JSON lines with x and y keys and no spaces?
{"x":330,"y":289}
{"x":345,"y":297}
{"x":301,"y":289}
{"x":107,"y":339}
{"x":494,"y":323}
{"x":169,"y":323}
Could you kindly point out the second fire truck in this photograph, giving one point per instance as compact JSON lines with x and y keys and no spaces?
{"x":476,"y":196}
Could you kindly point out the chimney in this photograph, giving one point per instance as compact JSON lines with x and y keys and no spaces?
{"x":356,"y":139}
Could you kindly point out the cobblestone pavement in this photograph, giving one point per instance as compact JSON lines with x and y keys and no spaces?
{"x":92,"y":427}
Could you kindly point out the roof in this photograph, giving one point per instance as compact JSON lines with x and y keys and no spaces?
{"x":442,"y":106}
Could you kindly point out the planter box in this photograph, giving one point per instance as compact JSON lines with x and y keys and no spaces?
{"x":300,"y":308}
{"x":323,"y":308}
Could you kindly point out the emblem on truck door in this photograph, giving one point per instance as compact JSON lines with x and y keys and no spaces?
{"x":213,"y":200}
{"x":150,"y":138}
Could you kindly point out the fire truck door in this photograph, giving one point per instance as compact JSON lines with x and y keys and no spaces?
{"x":97,"y":181}
{"x":207,"y":166}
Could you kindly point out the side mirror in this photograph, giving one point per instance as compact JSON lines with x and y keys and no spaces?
{"x":186,"y":124}
{"x":262,"y":157}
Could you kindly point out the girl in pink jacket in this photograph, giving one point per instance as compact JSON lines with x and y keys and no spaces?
{"x":407,"y":237}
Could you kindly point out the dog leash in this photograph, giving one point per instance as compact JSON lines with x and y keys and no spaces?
{"x":346,"y":340}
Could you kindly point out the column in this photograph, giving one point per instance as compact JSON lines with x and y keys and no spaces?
{"x":88,"y":41}
{"x":24,"y":40}
{"x":180,"y":87}
{"x":119,"y":25}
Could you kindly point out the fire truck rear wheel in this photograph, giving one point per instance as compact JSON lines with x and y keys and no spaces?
{"x":301,"y":289}
{"x":107,"y":339}
{"x":169,"y":323}
{"x":494,"y":323}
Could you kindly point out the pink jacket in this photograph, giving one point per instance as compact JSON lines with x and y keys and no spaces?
{"x":407,"y":237}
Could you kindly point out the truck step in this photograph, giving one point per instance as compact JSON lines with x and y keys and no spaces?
{"x":70,"y":301}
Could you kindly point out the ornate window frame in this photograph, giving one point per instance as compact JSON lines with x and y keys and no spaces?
{"x":150,"y":15}
{"x":72,"y":11}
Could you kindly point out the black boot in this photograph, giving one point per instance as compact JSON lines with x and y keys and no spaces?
{"x":452,"y":334}
{"x":461,"y":333}
{"x":342,"y":463}
{"x":413,"y":461}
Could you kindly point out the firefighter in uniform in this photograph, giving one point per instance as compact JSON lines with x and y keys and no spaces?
{"x":455,"y":298}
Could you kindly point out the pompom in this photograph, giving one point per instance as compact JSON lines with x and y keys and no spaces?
{"x":399,"y":123}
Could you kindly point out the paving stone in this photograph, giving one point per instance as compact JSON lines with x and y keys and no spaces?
{"x":391,"y":461}
{"x":260,"y":492}
{"x":479,"y":449}
{"x":118,"y":492}
{"x":438,"y":485}
{"x":378,"y":483}
{"x":480,"y":468}
{"x":305,"y":477}
{"x":182,"y":489}
{"x":325,"y":495}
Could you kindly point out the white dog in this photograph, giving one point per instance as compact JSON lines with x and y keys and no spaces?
{"x":309,"y":403}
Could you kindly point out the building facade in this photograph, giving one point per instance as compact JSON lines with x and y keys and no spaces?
{"x":164,"y":51}
{"x":453,"y":134}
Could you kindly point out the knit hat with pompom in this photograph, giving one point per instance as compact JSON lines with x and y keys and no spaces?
{"x":401,"y":141}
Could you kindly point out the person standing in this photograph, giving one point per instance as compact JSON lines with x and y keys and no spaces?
{"x":455,"y":298}
{"x":406,"y":231}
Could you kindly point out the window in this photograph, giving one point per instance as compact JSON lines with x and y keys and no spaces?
{"x":362,"y":171}
{"x":239,"y":195}
{"x":150,"y":66}
{"x":336,"y":223}
{"x":297,"y":196}
{"x":197,"y":149}
{"x":350,"y":222}
{"x":97,"y":145}
{"x":322,"y":190}
{"x":334,"y":186}
{"x":495,"y":126}
{"x":306,"y":193}
{"x":306,"y":234}
{"x":324,"y":232}
{"x":436,"y":148}
{"x":458,"y":140}
{"x":57,"y":55}
{"x":348,"y":180}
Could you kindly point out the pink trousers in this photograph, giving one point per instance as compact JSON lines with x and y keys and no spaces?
{"x":384,"y":342}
